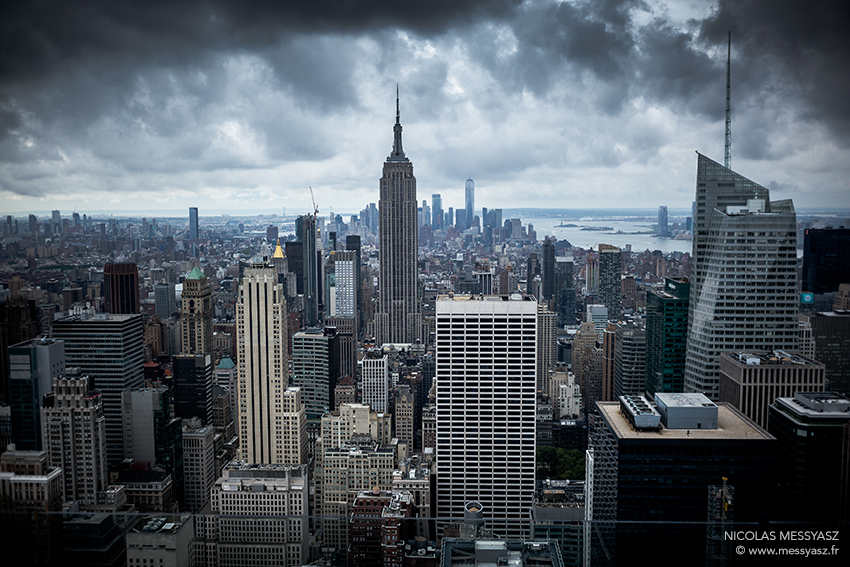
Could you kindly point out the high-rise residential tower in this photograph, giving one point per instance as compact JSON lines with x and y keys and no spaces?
{"x":744,"y":286}
{"x":610,"y":271}
{"x":485,"y":355}
{"x":196,"y":317}
{"x":75,"y":436}
{"x":193,"y":223}
{"x":110,"y":349}
{"x":399,"y":309}
{"x":121,"y":287}
{"x":663,"y":230}
{"x":263,"y":360}
{"x":469,"y":202}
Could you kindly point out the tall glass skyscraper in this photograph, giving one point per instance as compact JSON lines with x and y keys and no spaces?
{"x":193,"y":223}
{"x":744,"y":286}
{"x":470,"y":202}
{"x":437,"y":211}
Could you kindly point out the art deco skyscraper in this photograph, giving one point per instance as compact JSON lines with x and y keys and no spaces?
{"x":75,"y":436}
{"x":485,"y":356}
{"x":197,"y":314}
{"x":398,"y":317}
{"x":263,"y":360}
{"x":744,"y":286}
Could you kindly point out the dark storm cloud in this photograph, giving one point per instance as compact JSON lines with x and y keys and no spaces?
{"x":806,"y":48}
{"x":37,"y":36}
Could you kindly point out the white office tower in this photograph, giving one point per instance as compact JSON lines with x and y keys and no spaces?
{"x":744,"y":286}
{"x":263,"y":360}
{"x":486,"y":349}
{"x":375,"y":380}
{"x":260,"y":515}
{"x":75,"y":437}
{"x":345,"y":294}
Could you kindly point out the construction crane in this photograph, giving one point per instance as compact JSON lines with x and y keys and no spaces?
{"x":315,"y":208}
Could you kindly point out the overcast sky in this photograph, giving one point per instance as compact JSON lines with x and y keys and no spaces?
{"x":240,"y":106}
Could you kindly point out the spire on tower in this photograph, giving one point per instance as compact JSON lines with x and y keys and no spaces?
{"x":398,"y":152}
{"x":727,"y":162}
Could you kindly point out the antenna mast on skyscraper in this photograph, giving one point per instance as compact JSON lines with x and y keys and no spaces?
{"x":728,"y":155}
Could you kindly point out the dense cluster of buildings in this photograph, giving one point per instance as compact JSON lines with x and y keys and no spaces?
{"x":376,"y":392}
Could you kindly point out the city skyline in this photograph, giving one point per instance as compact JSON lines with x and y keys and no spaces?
{"x":581,"y":103}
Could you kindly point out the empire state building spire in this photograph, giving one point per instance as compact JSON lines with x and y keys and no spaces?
{"x":398,"y":314}
{"x":398,"y":152}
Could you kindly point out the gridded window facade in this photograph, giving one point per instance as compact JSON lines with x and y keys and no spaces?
{"x":486,"y":350}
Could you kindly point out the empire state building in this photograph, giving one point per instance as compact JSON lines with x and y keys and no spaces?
{"x":399,"y":310}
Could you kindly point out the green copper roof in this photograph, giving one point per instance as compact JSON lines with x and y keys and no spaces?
{"x":195,"y":274}
{"x":226,"y":363}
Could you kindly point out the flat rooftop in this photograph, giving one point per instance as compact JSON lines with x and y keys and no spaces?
{"x":818,"y":405}
{"x":758,"y":358}
{"x":731,"y":425}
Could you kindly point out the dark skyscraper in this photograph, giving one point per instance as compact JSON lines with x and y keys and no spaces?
{"x":667,"y":336}
{"x":307,"y":226}
{"x":825,"y":259}
{"x":18,"y":323}
{"x":662,"y":221}
{"x":193,"y":223}
{"x":398,"y":316}
{"x":610,"y":272}
{"x":548,"y":268}
{"x":121,"y":288}
{"x":565,"y":294}
{"x":810,"y":429}
{"x":193,"y":381}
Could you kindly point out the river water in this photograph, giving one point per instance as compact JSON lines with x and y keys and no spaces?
{"x":622,"y":234}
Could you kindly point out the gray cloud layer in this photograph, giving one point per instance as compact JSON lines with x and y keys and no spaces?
{"x":129,"y":96}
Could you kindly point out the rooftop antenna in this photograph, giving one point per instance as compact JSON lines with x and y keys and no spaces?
{"x":728,"y":155}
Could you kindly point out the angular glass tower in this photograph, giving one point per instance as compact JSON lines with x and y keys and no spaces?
{"x":744,"y":286}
